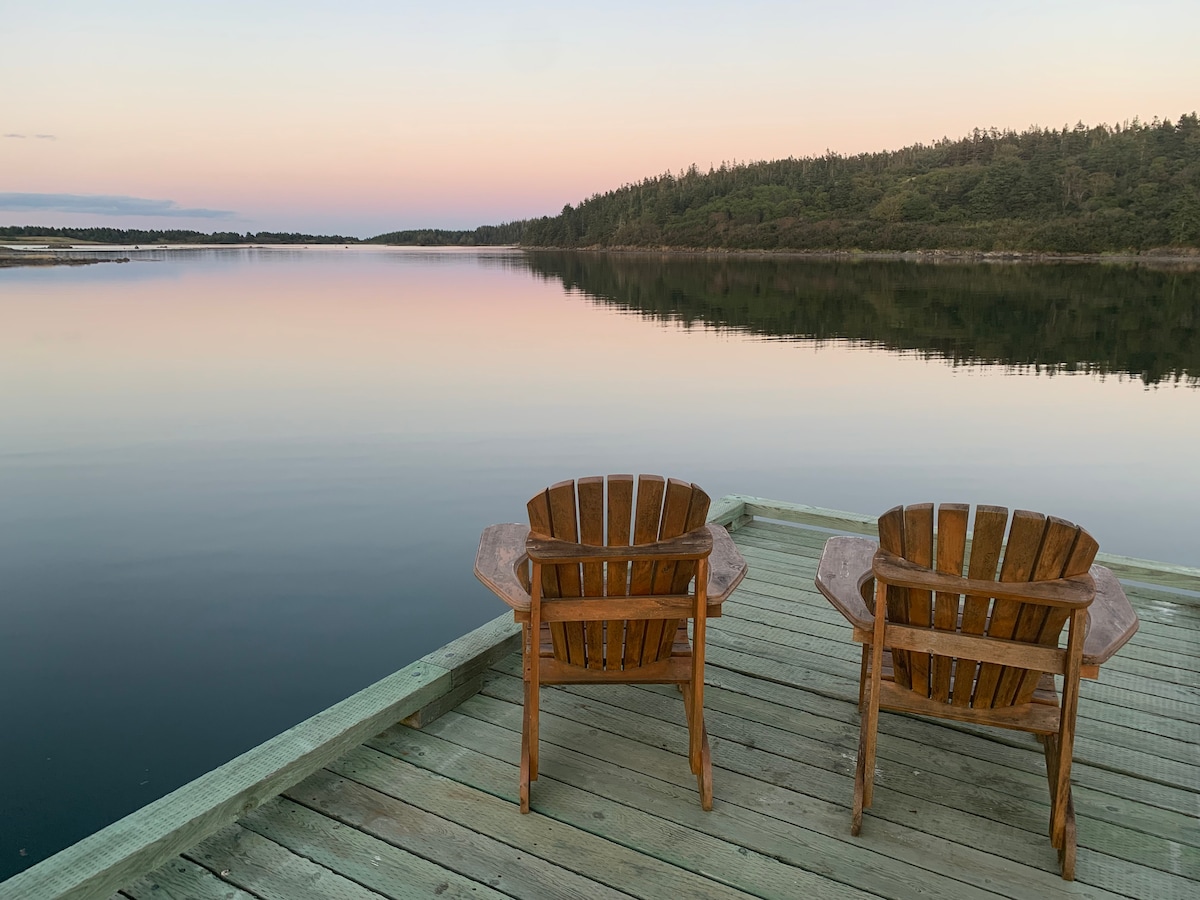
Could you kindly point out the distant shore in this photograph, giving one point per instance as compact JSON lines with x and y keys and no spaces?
{"x":1172,"y":255}
{"x":52,"y":256}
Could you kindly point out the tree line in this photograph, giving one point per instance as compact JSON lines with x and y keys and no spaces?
{"x":1131,"y":187}
{"x":484,"y":236}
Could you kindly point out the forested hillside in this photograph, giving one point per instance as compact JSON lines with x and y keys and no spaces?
{"x":1132,"y":187}
{"x":483,"y":236}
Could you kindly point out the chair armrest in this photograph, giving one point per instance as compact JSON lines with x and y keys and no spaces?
{"x":726,"y":567}
{"x":1073,"y":592}
{"x":844,"y":568}
{"x":696,"y":544}
{"x":1111,"y":619}
{"x":501,"y":551}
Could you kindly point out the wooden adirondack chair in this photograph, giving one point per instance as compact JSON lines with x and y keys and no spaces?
{"x":606,"y":598}
{"x":981,"y":647}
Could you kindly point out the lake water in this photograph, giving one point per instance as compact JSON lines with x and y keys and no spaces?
{"x":238,"y":485}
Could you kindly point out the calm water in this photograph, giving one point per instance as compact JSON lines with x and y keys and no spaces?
{"x":237,"y":486}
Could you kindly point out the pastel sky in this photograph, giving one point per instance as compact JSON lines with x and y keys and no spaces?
{"x":360,"y":117}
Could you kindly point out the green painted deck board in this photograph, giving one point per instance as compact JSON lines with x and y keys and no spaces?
{"x":940,"y":822}
{"x":483,"y":756}
{"x":960,"y":812}
{"x":824,"y":748}
{"x":598,"y":860}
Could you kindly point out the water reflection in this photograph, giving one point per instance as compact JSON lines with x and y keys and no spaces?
{"x":1107,"y":319}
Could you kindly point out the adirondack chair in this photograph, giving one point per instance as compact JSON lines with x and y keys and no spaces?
{"x":984,"y":647}
{"x":603,"y":600}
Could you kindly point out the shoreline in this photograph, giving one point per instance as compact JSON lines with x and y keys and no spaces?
{"x":1185,"y":257}
{"x":11,"y":257}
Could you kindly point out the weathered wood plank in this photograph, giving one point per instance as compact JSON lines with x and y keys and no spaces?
{"x":924,"y":771}
{"x":182,"y":879}
{"x":484,"y":757}
{"x":855,"y":523}
{"x":434,"y":838}
{"x":471,"y":654}
{"x":443,"y":704}
{"x":391,"y":871}
{"x":726,"y":510}
{"x":571,"y":760}
{"x":586,"y":854}
{"x":271,"y":872}
{"x":961,"y":822}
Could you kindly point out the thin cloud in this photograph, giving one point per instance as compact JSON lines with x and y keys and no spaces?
{"x":109,"y":205}
{"x":11,"y":135}
{"x":46,"y":137}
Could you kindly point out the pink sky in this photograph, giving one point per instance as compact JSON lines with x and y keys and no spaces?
{"x":362,"y":118}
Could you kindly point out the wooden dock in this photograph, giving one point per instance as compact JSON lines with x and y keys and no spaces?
{"x":355,"y":805}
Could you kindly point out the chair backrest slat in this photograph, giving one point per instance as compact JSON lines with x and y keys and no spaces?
{"x":585,"y":512}
{"x":987,"y":543}
{"x":891,"y":539}
{"x":918,"y":548}
{"x":951,"y":551}
{"x":620,"y":512}
{"x":591,"y":531}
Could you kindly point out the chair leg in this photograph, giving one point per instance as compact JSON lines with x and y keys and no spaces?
{"x":699,"y":754}
{"x":693,"y":759}
{"x":860,"y":769}
{"x":1062,"y":805}
{"x":864,"y":771}
{"x":1050,"y":750}
{"x":862,"y":679}
{"x":704,"y":776}
{"x":526,"y":716}
{"x":535,"y":696}
{"x":529,"y":736}
{"x":1066,"y":856}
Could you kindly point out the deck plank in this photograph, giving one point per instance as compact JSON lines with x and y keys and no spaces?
{"x":572,"y":849}
{"x":388,"y":870}
{"x":182,"y":879}
{"x":445,"y":843}
{"x":960,"y":808}
{"x":265,"y":869}
{"x":821,"y":827}
{"x":485,"y":757}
